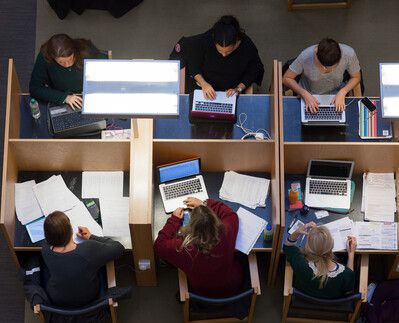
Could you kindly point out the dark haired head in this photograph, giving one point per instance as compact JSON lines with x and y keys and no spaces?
{"x":328,"y":52}
{"x":227,"y":31}
{"x":57,"y":229}
{"x":62,"y":46}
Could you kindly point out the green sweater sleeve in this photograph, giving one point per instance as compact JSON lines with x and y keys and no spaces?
{"x":39,"y":85}
{"x":297,"y":260}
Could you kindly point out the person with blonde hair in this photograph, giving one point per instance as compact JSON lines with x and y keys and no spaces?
{"x":316,"y":270}
{"x":205,"y":248}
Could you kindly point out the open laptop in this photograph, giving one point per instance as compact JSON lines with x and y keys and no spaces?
{"x":328,"y":184}
{"x":66,"y":122}
{"x":222,"y":108}
{"x":326,"y":116}
{"x":180,"y":180}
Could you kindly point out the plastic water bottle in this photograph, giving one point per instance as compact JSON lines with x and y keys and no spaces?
{"x":34,"y":108}
{"x":268,"y":232}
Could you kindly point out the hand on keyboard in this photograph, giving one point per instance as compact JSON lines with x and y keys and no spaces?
{"x":311,"y":102}
{"x":74,"y":101}
{"x":339,"y":101}
{"x":192,"y":202}
{"x":209,"y":92}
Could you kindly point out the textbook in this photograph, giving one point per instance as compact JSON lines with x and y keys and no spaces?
{"x":371,"y":123}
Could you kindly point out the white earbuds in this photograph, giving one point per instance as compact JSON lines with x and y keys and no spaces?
{"x":259,"y":134}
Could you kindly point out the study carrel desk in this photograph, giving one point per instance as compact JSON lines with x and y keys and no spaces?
{"x":299,"y":144}
{"x":43,"y":154}
{"x":220,"y":149}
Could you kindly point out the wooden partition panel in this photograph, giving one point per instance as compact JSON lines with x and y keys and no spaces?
{"x":373,"y":157}
{"x":280,"y":158}
{"x":140,"y":214}
{"x":10,"y":169}
{"x":218,"y":155}
{"x":12,"y":124}
{"x":71,"y":154}
{"x":10,"y":176}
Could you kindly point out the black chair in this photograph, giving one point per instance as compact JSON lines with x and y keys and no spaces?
{"x":357,"y":91}
{"x":300,"y":307}
{"x":238,"y":308}
{"x":101,"y":310}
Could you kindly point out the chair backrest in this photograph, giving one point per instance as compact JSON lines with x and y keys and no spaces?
{"x":103,"y":303}
{"x":221,"y":301}
{"x":326,"y":302}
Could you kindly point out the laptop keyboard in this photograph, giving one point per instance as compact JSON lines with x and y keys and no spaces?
{"x":328,"y":187}
{"x":182,"y":188}
{"x":325,"y":113}
{"x":70,"y":121}
{"x":210,"y":106}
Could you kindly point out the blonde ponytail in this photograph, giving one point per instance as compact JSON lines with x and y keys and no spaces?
{"x":318,"y":250}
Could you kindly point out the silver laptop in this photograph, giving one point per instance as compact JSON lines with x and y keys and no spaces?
{"x":326,"y":116}
{"x":328,"y":184}
{"x":180,"y":180}
{"x":222,"y":108}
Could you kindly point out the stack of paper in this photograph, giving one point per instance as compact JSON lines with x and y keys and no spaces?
{"x":54,"y":195}
{"x":376,"y":235}
{"x":81,"y":217}
{"x":379,"y":194}
{"x":26,"y":204}
{"x":115,"y":219}
{"x":102,"y":184}
{"x":249,"y":229}
{"x":340,"y":230}
{"x":247,"y":190}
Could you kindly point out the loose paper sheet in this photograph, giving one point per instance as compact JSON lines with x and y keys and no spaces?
{"x":102,"y":184}
{"x":26,"y":204}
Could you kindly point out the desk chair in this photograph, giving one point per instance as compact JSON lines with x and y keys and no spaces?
{"x":300,"y":307}
{"x":357,"y":91}
{"x":102,"y":303}
{"x":197,"y":308}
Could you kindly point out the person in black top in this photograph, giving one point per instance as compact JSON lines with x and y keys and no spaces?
{"x":74,"y":268}
{"x":222,"y":59}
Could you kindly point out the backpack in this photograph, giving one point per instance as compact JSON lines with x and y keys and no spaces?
{"x":383,"y":307}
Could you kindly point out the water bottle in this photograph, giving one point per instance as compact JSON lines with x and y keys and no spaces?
{"x":34,"y":108}
{"x":268,"y":232}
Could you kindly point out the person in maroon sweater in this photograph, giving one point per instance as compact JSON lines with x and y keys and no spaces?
{"x":204,"y":249}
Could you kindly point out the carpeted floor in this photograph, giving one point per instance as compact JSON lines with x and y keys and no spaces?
{"x":17,"y":40}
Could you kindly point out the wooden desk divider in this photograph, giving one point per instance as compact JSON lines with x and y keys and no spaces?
{"x":141,"y":191}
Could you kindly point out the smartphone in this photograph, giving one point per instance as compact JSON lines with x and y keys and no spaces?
{"x":368,"y":104}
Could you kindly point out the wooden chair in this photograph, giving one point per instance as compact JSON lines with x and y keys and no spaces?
{"x":343,"y":4}
{"x":250,"y":293}
{"x":40,"y":309}
{"x":299,"y":307}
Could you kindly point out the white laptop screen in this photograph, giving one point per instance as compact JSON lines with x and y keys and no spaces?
{"x":179,"y":170}
{"x":330,"y":169}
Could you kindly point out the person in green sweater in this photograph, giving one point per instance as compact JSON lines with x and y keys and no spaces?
{"x":57,"y":75}
{"x":316,"y":271}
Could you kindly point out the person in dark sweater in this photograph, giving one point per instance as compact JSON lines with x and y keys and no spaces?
{"x":57,"y":75}
{"x":204,"y":249}
{"x":74,"y":269}
{"x":222,"y":59}
{"x":316,"y":272}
